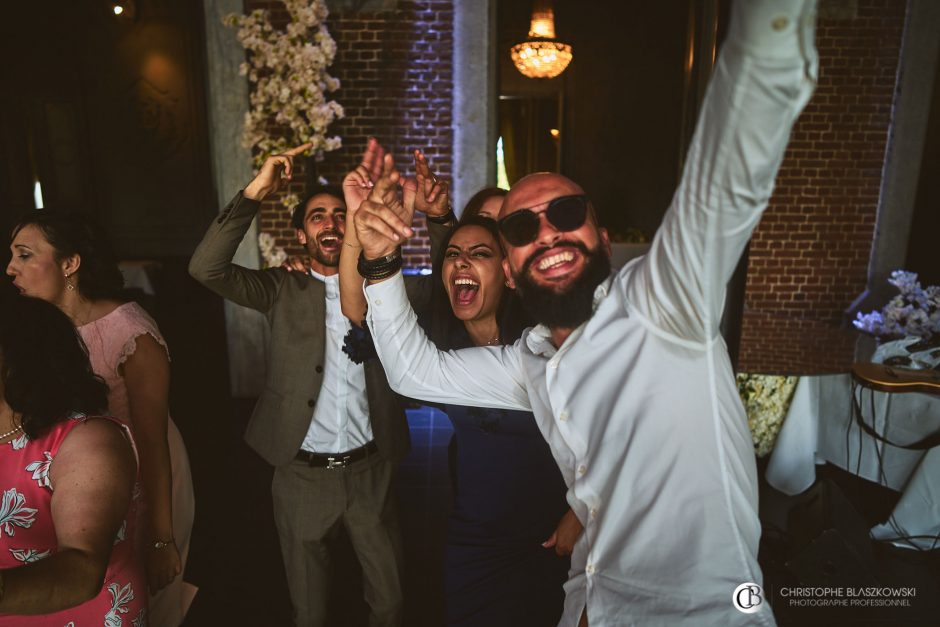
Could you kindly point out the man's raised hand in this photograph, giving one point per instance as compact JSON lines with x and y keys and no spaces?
{"x":383,"y":221}
{"x":274,"y":170}
{"x":426,"y":192}
{"x":358,"y":184}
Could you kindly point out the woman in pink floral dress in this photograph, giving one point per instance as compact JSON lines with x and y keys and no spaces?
{"x":67,"y":481}
{"x":64,"y":258}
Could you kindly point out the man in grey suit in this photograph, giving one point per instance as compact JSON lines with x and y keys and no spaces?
{"x":333,"y":429}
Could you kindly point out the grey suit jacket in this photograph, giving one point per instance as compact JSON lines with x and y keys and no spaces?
{"x":295,"y":306}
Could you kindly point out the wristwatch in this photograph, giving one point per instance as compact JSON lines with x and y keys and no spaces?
{"x":162,"y":544}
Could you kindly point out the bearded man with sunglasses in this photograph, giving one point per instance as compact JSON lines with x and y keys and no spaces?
{"x":627,"y":374}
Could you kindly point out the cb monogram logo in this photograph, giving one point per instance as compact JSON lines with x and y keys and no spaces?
{"x":747,"y":598}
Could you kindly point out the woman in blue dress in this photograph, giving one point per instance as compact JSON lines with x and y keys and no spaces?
{"x":510,"y":530}
{"x":501,"y":566}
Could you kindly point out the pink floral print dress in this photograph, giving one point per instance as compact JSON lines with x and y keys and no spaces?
{"x":27,"y":535}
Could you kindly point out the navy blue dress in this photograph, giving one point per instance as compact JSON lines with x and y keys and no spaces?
{"x":509,"y":498}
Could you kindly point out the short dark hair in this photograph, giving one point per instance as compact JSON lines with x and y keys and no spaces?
{"x":44,"y":366}
{"x":476,"y":202}
{"x":300,"y":209}
{"x":75,"y":233}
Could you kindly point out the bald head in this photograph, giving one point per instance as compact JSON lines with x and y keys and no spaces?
{"x":537,"y":189}
{"x":556,"y":254}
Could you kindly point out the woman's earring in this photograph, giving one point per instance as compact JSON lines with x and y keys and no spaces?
{"x":68,"y":284}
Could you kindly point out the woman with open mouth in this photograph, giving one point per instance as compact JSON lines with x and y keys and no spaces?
{"x":501,"y":566}
{"x":510,"y":530}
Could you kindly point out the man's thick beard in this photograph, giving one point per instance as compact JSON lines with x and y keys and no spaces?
{"x":569,"y":308}
{"x":329,"y":262}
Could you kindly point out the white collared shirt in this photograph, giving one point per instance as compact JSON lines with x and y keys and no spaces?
{"x":639,"y":405}
{"x":340,"y":419}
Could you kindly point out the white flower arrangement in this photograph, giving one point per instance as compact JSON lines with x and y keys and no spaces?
{"x":766,"y":400}
{"x":914,"y":312}
{"x":287,"y":70}
{"x":273,"y":255}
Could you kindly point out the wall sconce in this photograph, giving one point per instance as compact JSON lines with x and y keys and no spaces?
{"x":541,"y":56}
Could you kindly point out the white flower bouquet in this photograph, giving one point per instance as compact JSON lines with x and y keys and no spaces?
{"x":766,"y":400}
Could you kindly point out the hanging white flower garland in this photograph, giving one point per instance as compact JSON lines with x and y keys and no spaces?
{"x":288,"y":73}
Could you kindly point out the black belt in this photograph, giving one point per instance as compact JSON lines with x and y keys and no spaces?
{"x":336,"y":460}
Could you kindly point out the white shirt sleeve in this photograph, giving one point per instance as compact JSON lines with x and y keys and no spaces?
{"x":764,"y":76}
{"x":488,"y":376}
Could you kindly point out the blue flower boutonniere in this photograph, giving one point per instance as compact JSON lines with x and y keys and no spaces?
{"x":358,"y":344}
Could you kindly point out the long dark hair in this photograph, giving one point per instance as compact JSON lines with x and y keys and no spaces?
{"x":444,"y":328}
{"x":476,"y":202}
{"x":74,"y":233}
{"x":44,"y":366}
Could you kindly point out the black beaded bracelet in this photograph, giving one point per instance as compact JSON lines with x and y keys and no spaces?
{"x":444,"y":219}
{"x":381,"y":268}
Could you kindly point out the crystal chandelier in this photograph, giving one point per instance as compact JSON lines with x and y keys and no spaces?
{"x":541,"y":56}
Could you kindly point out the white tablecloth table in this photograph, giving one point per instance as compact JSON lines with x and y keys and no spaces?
{"x":820,"y":427}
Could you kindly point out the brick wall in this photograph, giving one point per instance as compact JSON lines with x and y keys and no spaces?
{"x":396,"y":70}
{"x":809,"y":256}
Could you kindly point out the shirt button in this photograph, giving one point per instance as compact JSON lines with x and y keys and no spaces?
{"x":779,"y":23}
{"x":311,"y":403}
{"x":563,"y":416}
{"x":319,"y":369}
{"x":378,"y":301}
{"x":593,"y":512}
{"x":582,"y":469}
{"x":552,"y":364}
{"x":589,"y":569}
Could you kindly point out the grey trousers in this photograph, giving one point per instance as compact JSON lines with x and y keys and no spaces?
{"x":310,"y":504}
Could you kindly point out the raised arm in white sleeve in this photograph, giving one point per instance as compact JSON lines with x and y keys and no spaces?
{"x":764,"y":76}
{"x":488,"y":376}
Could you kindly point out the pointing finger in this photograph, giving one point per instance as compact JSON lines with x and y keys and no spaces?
{"x":389,"y":178}
{"x":375,"y":168}
{"x":368,"y":156}
{"x":299,"y":150}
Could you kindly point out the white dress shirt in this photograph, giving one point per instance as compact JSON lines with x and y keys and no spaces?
{"x":340,"y":419}
{"x":639,"y":405}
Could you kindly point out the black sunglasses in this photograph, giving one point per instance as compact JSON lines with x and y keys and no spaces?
{"x":565,"y":213}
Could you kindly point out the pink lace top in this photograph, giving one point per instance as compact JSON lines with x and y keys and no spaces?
{"x":27,"y":535}
{"x":111,"y":339}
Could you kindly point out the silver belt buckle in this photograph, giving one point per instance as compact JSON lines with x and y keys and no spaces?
{"x":336,"y":462}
